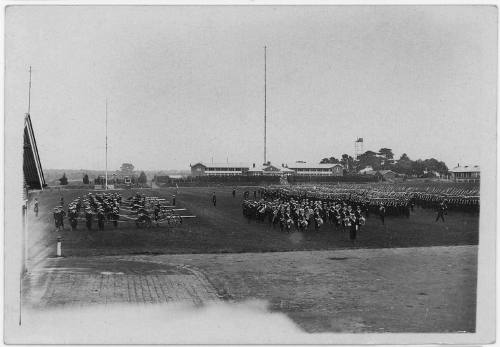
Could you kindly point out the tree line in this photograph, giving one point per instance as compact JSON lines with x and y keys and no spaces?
{"x":384,"y":160}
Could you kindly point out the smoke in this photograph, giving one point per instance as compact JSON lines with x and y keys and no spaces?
{"x":213,"y":323}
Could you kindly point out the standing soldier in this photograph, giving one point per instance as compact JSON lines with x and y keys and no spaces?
{"x":234,"y":193}
{"x":173,"y":200}
{"x":62,"y":201}
{"x":214,"y":199}
{"x":100,"y":219}
{"x":73,"y":218}
{"x":381,"y":212}
{"x":88,"y":219}
{"x":115,"y":216}
{"x":60,"y":217}
{"x":353,"y":227}
{"x":35,"y":209}
{"x":441,"y":211}
{"x":156,"y":212}
{"x":56,"y":218}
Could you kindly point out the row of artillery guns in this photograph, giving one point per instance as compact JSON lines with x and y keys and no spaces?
{"x":147,"y":211}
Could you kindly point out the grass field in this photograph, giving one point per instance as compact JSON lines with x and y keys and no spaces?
{"x":223,"y":229}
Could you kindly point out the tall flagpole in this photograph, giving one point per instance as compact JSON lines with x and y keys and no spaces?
{"x":106,"y":144}
{"x":29,"y":94}
{"x":265,"y":104}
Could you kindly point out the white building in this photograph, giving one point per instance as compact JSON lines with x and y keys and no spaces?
{"x":239,"y":169}
{"x":219,"y":169}
{"x":466,"y":173}
{"x":305,"y":169}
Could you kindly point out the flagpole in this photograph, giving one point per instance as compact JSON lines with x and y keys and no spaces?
{"x":106,"y":145}
{"x":29,"y":94}
{"x":265,"y":105}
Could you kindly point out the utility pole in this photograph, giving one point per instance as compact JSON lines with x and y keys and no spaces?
{"x":106,"y":180}
{"x":265,"y":104}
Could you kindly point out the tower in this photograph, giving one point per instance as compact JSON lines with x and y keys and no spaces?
{"x":358,"y":147}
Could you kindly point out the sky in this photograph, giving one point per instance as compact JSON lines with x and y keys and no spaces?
{"x":186,"y":83}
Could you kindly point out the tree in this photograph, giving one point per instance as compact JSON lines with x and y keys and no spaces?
{"x":63,"y":180}
{"x":127,"y":168}
{"x":331,"y":160}
{"x":434,"y":165}
{"x":142,"y":178}
{"x":404,"y":156}
{"x":404,"y":165}
{"x":387,"y":153}
{"x":388,"y":158}
{"x":369,"y":158}
{"x":348,"y":162}
{"x":86,"y":179}
{"x":418,"y":167}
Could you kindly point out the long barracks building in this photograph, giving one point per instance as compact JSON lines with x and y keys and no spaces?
{"x":240,"y":169}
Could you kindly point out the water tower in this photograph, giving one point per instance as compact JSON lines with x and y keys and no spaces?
{"x":358,"y":147}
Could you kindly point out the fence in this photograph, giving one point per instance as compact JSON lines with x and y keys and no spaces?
{"x":201,"y":181}
{"x":331,"y":179}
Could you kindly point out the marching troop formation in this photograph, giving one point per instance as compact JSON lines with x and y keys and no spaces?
{"x":304,"y":214}
{"x":348,"y":205}
{"x":110,"y":207}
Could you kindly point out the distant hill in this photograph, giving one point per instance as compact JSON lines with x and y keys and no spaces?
{"x":53,"y":175}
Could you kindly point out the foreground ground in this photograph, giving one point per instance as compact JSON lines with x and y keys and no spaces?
{"x":409,"y":275}
{"x":429,"y":289}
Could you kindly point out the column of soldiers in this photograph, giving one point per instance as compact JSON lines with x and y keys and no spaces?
{"x":398,"y":200}
{"x":303,"y":214}
{"x":346,"y":205}
{"x":101,"y":207}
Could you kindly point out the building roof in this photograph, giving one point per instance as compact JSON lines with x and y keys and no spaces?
{"x":312,"y":166}
{"x":32,"y":167}
{"x":223,"y":165}
{"x":466,"y":168}
{"x":383,"y":172}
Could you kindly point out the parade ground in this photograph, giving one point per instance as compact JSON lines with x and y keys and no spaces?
{"x":409,"y":275}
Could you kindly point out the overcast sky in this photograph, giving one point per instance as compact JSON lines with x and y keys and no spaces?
{"x":186,"y":84}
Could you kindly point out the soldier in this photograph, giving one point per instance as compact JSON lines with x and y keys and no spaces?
{"x":353,"y":227}
{"x":60,"y":216}
{"x":73,"y":218}
{"x":214,"y":199}
{"x":100,"y":219}
{"x":234,"y":193}
{"x":56,"y":218}
{"x":156,"y":212}
{"x":173,"y":200}
{"x":114,"y":216}
{"x":88,"y":219}
{"x":35,"y":209}
{"x":441,"y":211}
{"x":381,"y":213}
